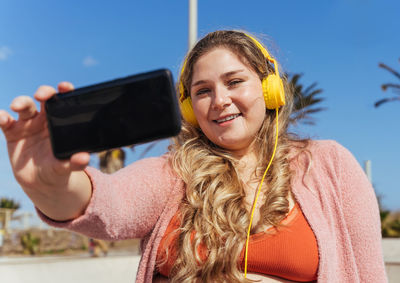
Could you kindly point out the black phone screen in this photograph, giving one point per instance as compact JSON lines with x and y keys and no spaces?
{"x":122,"y":112}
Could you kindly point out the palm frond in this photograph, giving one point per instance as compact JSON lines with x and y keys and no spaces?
{"x":305,"y":100}
{"x":147,"y":149}
{"x":384,"y":87}
{"x":380,"y":102}
{"x":309,"y":88}
{"x":386,"y":67}
{"x":394,"y":86}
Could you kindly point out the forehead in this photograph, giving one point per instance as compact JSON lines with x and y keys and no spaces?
{"x":219,"y":60}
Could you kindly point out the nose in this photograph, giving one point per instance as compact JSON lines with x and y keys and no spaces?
{"x":221,"y":98}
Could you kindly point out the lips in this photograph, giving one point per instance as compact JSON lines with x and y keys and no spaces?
{"x":227,"y":118}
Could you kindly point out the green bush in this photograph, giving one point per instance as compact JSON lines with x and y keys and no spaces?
{"x":30,"y":243}
{"x":390,"y":224}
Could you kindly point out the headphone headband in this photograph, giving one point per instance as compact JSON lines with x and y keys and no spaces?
{"x":264,"y":52}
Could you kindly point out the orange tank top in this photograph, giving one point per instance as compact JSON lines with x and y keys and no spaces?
{"x":289,"y":252}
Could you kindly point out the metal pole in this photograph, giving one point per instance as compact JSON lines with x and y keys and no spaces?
{"x":368,"y":170}
{"x":192,"y":23}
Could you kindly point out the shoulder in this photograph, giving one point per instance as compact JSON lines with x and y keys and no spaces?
{"x":325,"y":157}
{"x":336,"y":161}
{"x":333,"y":152}
{"x":323,"y":147}
{"x":318,"y":149}
{"x":329,"y":151}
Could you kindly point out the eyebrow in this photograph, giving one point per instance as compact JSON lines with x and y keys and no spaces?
{"x":224,"y":76}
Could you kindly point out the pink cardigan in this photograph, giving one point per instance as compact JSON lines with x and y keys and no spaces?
{"x":335,"y":196}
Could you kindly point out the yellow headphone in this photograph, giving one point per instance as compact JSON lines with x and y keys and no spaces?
{"x":274,"y":97}
{"x":274,"y":94}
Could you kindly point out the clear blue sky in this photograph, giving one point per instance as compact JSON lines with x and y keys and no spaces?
{"x":337,"y":44}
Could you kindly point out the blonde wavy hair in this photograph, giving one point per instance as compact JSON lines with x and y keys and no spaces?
{"x":213,"y":213}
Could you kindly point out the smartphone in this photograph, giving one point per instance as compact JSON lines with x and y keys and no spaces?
{"x":126,"y":111}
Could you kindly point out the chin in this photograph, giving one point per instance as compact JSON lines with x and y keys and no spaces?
{"x":232,"y":146}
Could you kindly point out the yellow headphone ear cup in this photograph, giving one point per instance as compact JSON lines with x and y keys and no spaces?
{"x":187,"y":111}
{"x":181,"y":90}
{"x":274,"y":94}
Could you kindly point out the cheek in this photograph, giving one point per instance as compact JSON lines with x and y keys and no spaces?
{"x":254,"y":104}
{"x":252,"y":96}
{"x":200,"y":109}
{"x":257,"y":111}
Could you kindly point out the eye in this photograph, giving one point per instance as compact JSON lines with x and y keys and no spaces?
{"x":202,"y":91}
{"x":234,"y":82}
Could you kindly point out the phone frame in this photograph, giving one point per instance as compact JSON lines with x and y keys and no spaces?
{"x":169,"y":100}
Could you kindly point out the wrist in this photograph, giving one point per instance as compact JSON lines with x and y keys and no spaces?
{"x":62,"y":203}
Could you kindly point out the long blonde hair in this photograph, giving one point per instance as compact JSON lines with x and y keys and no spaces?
{"x":213,"y":215}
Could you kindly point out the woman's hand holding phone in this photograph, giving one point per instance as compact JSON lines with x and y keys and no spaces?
{"x":59,"y":188}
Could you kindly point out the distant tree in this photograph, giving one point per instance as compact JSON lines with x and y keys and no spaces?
{"x":390,"y":221}
{"x":307,"y":100}
{"x":114,"y":159}
{"x":390,"y":224}
{"x":9,"y":203}
{"x":30,"y":243}
{"x":7,"y":208}
{"x":394,"y":86}
{"x":111,"y":160}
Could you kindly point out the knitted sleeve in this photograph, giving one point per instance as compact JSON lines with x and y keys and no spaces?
{"x":361,"y":213}
{"x":125,"y":204}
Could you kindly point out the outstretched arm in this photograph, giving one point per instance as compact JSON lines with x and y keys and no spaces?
{"x":60,"y":189}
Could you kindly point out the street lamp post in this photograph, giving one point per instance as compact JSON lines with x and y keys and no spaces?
{"x":368,"y":170}
{"x":192,"y":23}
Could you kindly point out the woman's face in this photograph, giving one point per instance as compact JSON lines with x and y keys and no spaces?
{"x":227,"y":100}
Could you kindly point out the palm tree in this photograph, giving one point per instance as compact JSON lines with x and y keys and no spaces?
{"x":7,"y":208}
{"x":306,"y":100}
{"x":8,"y":203}
{"x":395,"y":87}
{"x":111,"y":160}
{"x":114,"y":159}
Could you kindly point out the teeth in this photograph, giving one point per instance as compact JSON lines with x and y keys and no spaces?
{"x":228,"y":118}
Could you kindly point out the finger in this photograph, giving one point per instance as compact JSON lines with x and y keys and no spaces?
{"x":65,"y":87}
{"x":5,"y":120}
{"x":79,"y":161}
{"x":25,"y":107}
{"x":44,"y":93}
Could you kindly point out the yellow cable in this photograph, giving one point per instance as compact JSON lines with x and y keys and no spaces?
{"x":258,"y":192}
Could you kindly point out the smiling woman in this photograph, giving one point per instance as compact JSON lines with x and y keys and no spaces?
{"x":236,"y":198}
{"x":227,"y":100}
